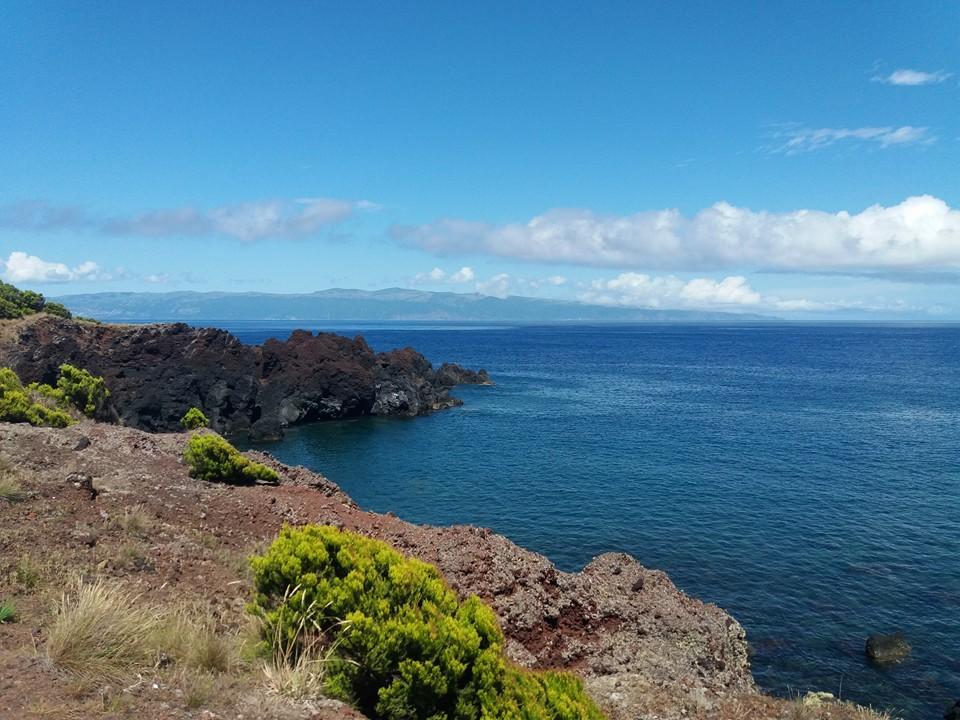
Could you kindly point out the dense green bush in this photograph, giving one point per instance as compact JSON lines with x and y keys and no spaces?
{"x":194,"y":419}
{"x":16,"y":303}
{"x":402,"y":646}
{"x":34,"y":404}
{"x":84,"y":391}
{"x":210,"y":457}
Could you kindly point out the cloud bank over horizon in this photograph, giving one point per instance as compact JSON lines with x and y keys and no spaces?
{"x":920,"y":233}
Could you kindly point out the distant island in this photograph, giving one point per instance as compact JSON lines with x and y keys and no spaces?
{"x":392,"y":304}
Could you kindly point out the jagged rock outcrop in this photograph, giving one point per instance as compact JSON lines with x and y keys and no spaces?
{"x":156,"y":372}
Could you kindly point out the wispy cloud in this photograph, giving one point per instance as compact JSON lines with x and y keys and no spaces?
{"x":905,"y":76}
{"x":249,"y":221}
{"x":920,"y":233}
{"x":20,"y":267}
{"x":795,"y":139}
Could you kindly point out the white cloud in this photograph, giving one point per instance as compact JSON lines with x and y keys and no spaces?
{"x":497,"y":286}
{"x":905,"y":76}
{"x":556,"y":280}
{"x":920,"y":233}
{"x":20,"y":267}
{"x":249,"y":221}
{"x":157,"y":279}
{"x":464,"y":274}
{"x":731,"y":293}
{"x":639,"y":290}
{"x":425,"y":278}
{"x":792,"y":140}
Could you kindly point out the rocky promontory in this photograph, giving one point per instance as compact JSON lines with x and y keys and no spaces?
{"x":156,"y":372}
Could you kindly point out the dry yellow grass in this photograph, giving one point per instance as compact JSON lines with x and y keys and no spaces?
{"x":101,"y":633}
{"x":10,"y":489}
{"x":190,"y":638}
{"x":135,"y":522}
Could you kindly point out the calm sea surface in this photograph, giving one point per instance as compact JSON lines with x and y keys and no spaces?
{"x":806,"y":479}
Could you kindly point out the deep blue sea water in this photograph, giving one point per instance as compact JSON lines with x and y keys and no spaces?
{"x":806,"y":479}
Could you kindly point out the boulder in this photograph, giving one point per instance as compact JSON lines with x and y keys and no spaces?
{"x":953,"y":712}
{"x":887,"y":649}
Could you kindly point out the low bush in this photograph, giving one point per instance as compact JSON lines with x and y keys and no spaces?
{"x":210,"y":457}
{"x":35,"y":404}
{"x":194,"y":419}
{"x":40,"y":404}
{"x":8,"y":613}
{"x":401,"y":645}
{"x":82,"y":390}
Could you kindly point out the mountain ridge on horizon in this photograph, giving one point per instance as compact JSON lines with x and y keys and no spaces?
{"x":387,"y":304}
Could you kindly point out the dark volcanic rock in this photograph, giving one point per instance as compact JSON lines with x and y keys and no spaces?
{"x":887,"y":649}
{"x":451,"y":374}
{"x":155,"y":373}
{"x":953,"y":712}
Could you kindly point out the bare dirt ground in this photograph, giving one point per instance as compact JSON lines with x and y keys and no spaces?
{"x":116,"y":503}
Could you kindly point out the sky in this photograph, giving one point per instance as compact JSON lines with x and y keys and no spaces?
{"x":794,"y":159}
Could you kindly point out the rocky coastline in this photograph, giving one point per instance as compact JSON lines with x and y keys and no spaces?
{"x":644,"y":649}
{"x":157,"y":372}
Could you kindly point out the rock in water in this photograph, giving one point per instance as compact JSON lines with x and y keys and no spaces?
{"x":953,"y":712}
{"x":888,"y":649}
{"x":155,"y":373}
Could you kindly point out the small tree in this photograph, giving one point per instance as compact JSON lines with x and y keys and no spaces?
{"x":194,"y":419}
{"x":87,"y":393}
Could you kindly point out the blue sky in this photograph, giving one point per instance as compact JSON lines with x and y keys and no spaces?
{"x":798,"y":159}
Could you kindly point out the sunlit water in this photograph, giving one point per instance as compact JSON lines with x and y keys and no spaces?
{"x":806,"y":479}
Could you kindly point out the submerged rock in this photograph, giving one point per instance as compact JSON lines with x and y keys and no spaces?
{"x":155,"y":373}
{"x":887,"y":649}
{"x":953,"y":712}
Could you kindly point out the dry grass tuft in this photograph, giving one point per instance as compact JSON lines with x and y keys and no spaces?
{"x":10,"y":489}
{"x":191,"y":639}
{"x":296,"y":669}
{"x":135,"y":522}
{"x":299,"y":678}
{"x":27,"y":574}
{"x":101,"y":633}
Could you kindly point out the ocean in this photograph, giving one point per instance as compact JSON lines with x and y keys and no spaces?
{"x":804,"y":478}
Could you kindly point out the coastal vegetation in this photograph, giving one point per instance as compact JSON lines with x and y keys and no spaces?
{"x":77,"y":393}
{"x":194,"y":419}
{"x":15,"y":303}
{"x":401,"y":644}
{"x":212,"y":458}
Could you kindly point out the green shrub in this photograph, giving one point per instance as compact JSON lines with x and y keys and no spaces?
{"x":194,"y":419}
{"x":34,"y":404}
{"x":210,"y":457}
{"x":54,"y":308}
{"x":16,"y":303}
{"x":41,"y":404}
{"x":403,"y":646}
{"x":84,"y":391}
{"x":8,"y":613}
